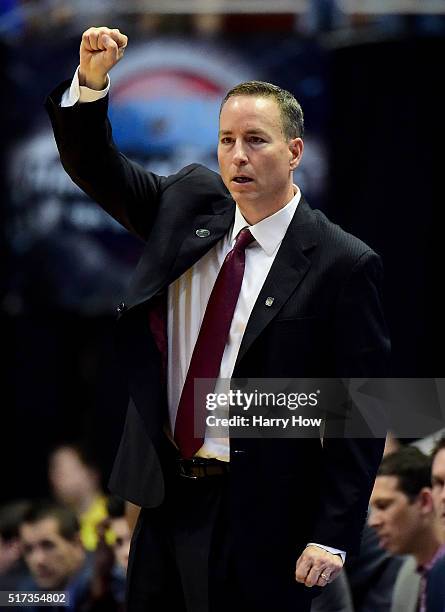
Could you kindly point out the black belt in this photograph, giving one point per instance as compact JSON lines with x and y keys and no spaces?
{"x":198,"y":467}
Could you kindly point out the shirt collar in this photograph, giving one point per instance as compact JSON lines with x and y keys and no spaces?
{"x":270,"y":231}
{"x":424,"y":569}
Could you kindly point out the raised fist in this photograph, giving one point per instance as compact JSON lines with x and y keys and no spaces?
{"x":100,"y":50}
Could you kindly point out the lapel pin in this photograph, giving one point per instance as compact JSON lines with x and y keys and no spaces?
{"x":269,"y":301}
{"x":202,"y":233}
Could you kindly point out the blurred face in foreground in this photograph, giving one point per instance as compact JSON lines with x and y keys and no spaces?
{"x":396,"y":519}
{"x":51,"y":558}
{"x":256,"y":159}
{"x":121,"y":544}
{"x":71,"y":480}
{"x":438,"y":483}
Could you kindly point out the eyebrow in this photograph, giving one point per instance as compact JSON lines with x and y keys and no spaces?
{"x":252,"y":131}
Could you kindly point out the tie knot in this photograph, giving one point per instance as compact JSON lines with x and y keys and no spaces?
{"x":243,"y":239}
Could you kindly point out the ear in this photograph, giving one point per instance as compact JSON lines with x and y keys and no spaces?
{"x":425,"y":500}
{"x":296,"y":147}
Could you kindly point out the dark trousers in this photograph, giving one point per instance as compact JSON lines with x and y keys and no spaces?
{"x":182,"y":554}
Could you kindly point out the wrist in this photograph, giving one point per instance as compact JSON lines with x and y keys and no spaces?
{"x":96,"y":83}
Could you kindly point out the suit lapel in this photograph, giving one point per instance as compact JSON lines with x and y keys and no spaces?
{"x":200,"y":238}
{"x":194,"y":242}
{"x":288,"y":270}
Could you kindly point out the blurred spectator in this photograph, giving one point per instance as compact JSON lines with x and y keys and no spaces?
{"x":403,"y":515}
{"x":112,"y":553}
{"x":75,"y":481}
{"x":54,"y":553}
{"x":57,"y":560}
{"x":121,"y":534}
{"x":12,"y":567}
{"x":438,"y":479}
{"x":372,"y":573}
{"x":436,"y":577}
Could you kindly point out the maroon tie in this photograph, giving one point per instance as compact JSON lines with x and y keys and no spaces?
{"x":209,"y":347}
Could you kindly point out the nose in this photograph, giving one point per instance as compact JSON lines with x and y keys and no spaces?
{"x":37,"y":557}
{"x":373,"y":519}
{"x":239,"y":154}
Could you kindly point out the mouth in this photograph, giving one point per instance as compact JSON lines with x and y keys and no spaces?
{"x":240,"y":179}
{"x":383,"y":541}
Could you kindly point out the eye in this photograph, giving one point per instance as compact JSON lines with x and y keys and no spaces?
{"x":256,"y":139}
{"x":226,"y":140}
{"x":383,"y":505}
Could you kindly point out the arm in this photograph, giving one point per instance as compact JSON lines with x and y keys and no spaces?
{"x":84,"y":138}
{"x":349,"y":464}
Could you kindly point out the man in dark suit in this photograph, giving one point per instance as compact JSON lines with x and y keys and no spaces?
{"x":435,"y":592}
{"x":229,"y":523}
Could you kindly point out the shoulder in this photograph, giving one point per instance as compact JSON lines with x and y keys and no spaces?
{"x":336,"y":238}
{"x":436,"y":575}
{"x":198,"y":178}
{"x":336,"y":249}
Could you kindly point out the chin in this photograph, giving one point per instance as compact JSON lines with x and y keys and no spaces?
{"x":47,"y":583}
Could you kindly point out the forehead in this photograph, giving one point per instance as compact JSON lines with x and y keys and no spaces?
{"x":47,"y":528}
{"x":64,"y":456}
{"x":439,"y":463}
{"x":386,"y":487}
{"x":247,"y":112}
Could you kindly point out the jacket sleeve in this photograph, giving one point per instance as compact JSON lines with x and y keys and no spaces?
{"x":352,"y":448}
{"x":84,"y":139}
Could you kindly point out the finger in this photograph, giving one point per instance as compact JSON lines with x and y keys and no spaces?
{"x":323,"y":579}
{"x":313,"y":576}
{"x":330,"y":573}
{"x":86,"y":44}
{"x":110,"y":47}
{"x":120,"y":39}
{"x":302,"y":568}
{"x":93,"y":40}
{"x":106,"y":43}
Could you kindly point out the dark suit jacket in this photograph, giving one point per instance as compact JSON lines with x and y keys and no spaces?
{"x":326,"y":320}
{"x":435,"y":588}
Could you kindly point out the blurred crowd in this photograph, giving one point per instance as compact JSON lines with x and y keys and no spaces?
{"x":22,"y":18}
{"x":79,"y":540}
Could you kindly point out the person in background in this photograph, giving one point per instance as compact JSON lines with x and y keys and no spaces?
{"x":75,"y":481}
{"x":436,"y":578}
{"x":404,"y":518}
{"x":121,"y":534}
{"x":373,"y":572}
{"x":53,"y":552}
{"x":112,"y":552}
{"x":111,"y":555}
{"x":12,"y":566}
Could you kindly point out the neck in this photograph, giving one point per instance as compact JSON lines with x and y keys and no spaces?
{"x":430,"y":540}
{"x":254,"y":211}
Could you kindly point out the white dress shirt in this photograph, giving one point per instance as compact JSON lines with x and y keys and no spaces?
{"x":188,"y":296}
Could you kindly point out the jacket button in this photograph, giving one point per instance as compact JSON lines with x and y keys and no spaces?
{"x":121,"y":307}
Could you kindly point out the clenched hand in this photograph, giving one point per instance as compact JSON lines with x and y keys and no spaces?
{"x":100,"y":50}
{"x":317,"y":567}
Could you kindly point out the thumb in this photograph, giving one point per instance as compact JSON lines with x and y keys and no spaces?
{"x":110,"y":47}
